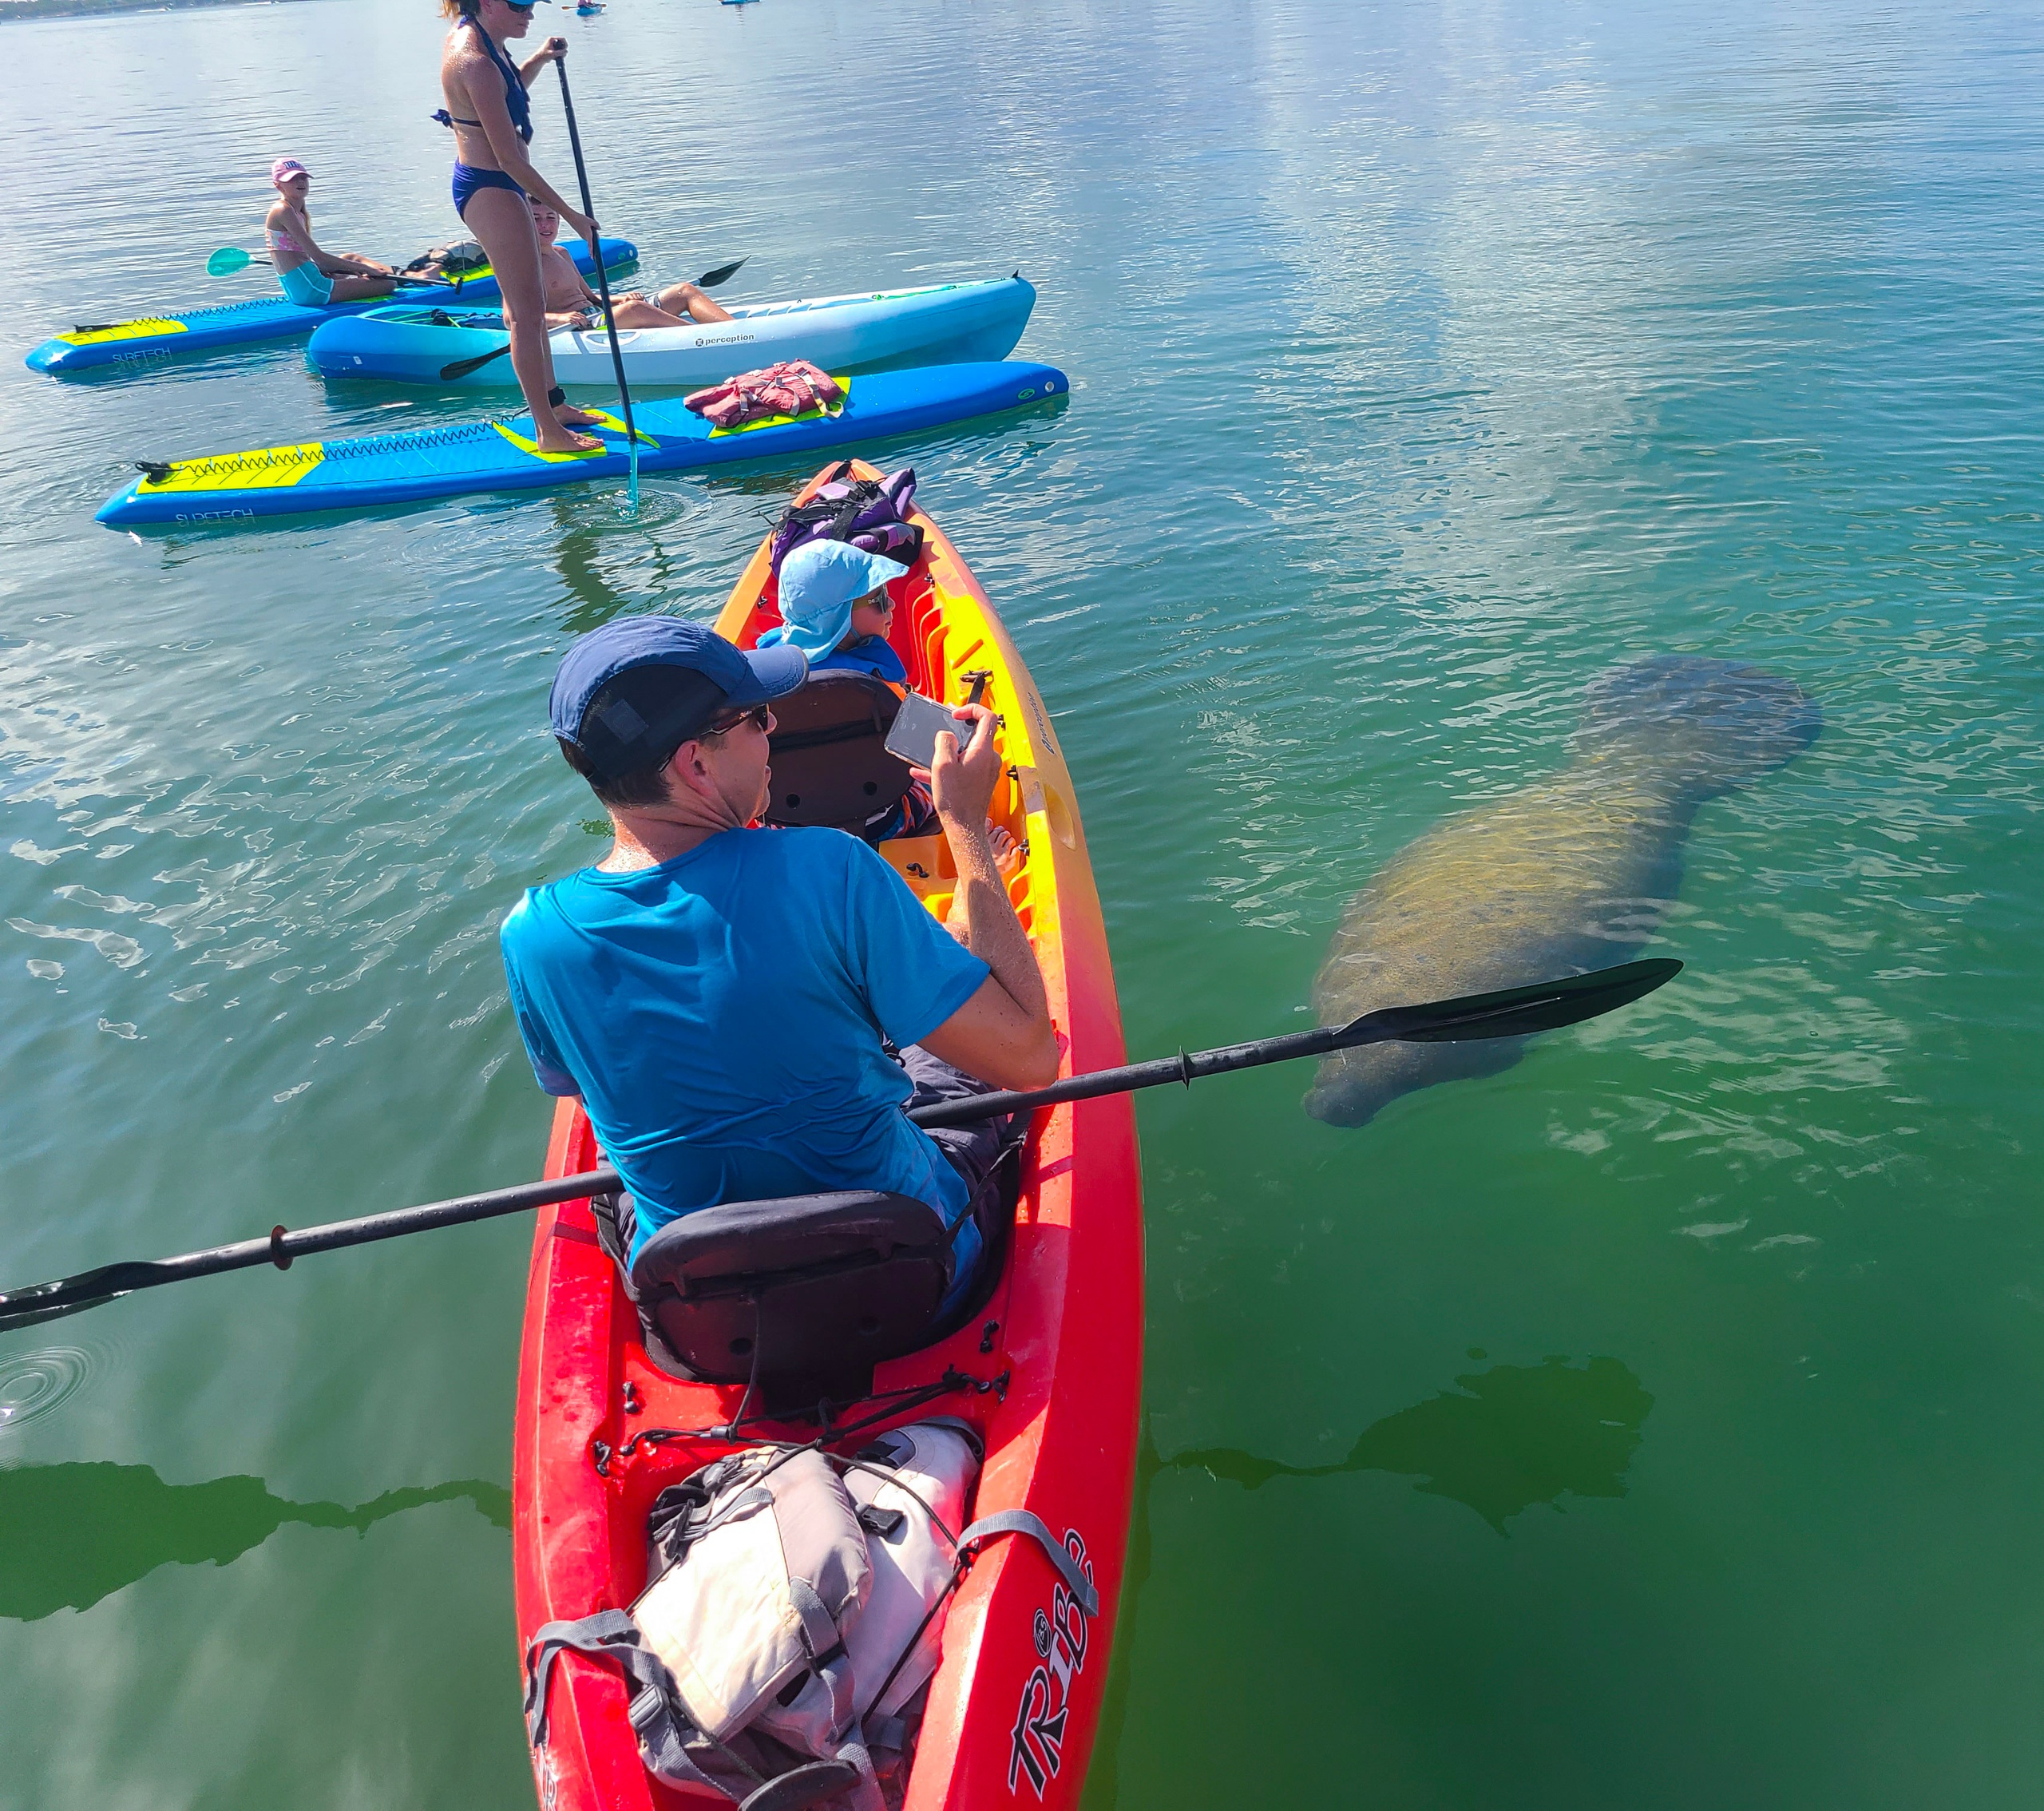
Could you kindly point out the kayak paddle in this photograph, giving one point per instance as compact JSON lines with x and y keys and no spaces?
{"x":231,"y":258}
{"x":1516,"y":1012}
{"x":461,"y":367}
{"x":603,"y":286}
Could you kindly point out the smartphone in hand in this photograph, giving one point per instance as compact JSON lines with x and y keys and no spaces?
{"x":918,"y":723}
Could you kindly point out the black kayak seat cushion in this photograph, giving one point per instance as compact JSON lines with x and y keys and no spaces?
{"x":807,"y":1292}
{"x":830,"y":762}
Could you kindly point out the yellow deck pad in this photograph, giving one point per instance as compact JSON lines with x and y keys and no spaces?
{"x":149,"y":327}
{"x":603,"y":416}
{"x":843,"y":383}
{"x":269,"y":468}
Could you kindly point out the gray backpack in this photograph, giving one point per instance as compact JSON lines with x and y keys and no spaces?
{"x":795,"y":1615}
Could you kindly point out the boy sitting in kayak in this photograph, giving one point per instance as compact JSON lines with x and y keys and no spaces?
{"x":834,"y":607}
{"x":722,"y":997}
{"x":571,"y":303}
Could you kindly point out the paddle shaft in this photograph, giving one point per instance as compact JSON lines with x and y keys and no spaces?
{"x":1516,"y":1012}
{"x":603,"y":279}
{"x":249,"y":258}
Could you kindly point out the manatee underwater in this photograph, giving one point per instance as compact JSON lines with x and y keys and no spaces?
{"x":1570,"y":873}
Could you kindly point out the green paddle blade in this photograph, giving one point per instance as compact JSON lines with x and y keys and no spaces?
{"x":227,"y":260}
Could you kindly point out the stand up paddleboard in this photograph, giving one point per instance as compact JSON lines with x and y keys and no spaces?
{"x":147,"y":340}
{"x":412,"y":466}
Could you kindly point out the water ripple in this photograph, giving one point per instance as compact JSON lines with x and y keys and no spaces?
{"x":33,"y":1384}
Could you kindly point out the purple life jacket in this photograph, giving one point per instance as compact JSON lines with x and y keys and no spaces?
{"x":870,"y":516}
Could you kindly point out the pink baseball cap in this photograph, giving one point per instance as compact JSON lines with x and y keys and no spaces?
{"x":283,"y":169}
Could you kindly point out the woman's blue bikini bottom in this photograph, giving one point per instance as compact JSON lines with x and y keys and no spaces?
{"x":468,"y":179}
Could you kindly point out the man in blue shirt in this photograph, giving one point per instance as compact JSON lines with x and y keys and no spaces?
{"x":717,"y":995}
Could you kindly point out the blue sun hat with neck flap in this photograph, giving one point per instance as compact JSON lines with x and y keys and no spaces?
{"x":820,"y":582}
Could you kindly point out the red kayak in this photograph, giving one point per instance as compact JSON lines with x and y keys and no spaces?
{"x":1048,"y":1373}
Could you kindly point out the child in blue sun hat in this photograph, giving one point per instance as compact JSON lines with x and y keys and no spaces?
{"x":834,"y":607}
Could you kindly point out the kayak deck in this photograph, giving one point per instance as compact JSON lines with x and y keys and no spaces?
{"x":1053,"y":1391}
{"x":417,"y":465}
{"x":147,"y":340}
{"x":453,"y":346}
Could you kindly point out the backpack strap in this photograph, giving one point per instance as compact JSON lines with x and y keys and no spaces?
{"x":826,"y":1651}
{"x":1022,"y":1522}
{"x":657,"y":1719}
{"x":609,"y":1633}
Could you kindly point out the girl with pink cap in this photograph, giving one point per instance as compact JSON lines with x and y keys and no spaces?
{"x":312,"y":277}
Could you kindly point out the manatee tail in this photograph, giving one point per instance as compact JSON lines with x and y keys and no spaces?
{"x":1717,"y":725}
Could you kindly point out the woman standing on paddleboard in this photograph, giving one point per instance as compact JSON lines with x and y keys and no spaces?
{"x":491,"y":116}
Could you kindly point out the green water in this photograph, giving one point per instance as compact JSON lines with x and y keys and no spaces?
{"x":1653,"y":1423}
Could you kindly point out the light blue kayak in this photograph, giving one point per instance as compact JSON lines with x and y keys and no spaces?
{"x":500,"y":455}
{"x":941,"y":324}
{"x":149,"y":340}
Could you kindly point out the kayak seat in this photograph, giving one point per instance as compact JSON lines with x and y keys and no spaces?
{"x":799,"y":1297}
{"x":831,"y":766}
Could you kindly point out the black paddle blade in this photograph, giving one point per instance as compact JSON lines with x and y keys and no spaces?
{"x":71,"y":1295}
{"x":1513,"y":1012}
{"x":724,"y":273}
{"x":461,"y":367}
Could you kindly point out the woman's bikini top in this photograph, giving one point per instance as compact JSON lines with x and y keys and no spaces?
{"x":517,"y":103}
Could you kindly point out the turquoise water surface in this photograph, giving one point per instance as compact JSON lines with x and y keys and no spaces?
{"x":1652,"y":1424}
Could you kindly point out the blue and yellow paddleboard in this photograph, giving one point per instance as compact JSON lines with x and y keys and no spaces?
{"x":411,"y":466}
{"x":150,"y":339}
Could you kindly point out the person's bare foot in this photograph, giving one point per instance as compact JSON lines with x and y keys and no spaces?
{"x":1008,"y":853}
{"x":563,"y":439}
{"x":569,"y":416}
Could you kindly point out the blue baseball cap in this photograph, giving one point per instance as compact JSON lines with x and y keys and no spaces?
{"x":629,"y":694}
{"x":820,"y":582}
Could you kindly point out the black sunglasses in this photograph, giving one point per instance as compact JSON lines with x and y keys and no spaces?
{"x":761,"y":715}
